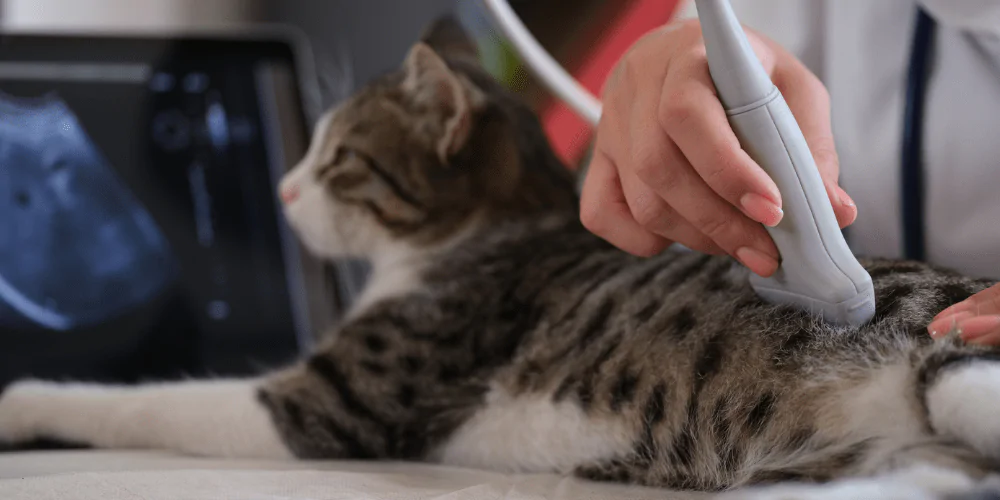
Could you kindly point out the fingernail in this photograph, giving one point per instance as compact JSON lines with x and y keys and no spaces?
{"x":757,"y":261}
{"x":761,"y":209}
{"x":977,"y":327}
{"x":945,"y":325}
{"x":845,"y":199}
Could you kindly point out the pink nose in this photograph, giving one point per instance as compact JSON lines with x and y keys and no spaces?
{"x":290,"y":194}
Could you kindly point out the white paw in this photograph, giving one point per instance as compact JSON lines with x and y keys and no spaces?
{"x":916,"y":483}
{"x":964,"y":404}
{"x":22,"y":410}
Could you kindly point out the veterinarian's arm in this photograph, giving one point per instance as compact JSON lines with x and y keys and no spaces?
{"x":977,"y":318}
{"x":668,"y":168}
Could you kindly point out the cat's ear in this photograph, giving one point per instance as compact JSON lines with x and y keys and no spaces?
{"x":434,"y":86}
{"x":448,"y":38}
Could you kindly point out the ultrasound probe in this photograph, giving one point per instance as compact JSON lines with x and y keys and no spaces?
{"x":818,"y":272}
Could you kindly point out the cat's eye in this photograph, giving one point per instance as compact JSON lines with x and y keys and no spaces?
{"x":342,"y":154}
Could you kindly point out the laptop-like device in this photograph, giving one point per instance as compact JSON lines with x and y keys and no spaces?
{"x":140,"y":232}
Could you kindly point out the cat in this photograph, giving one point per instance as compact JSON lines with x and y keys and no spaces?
{"x":496,"y":332}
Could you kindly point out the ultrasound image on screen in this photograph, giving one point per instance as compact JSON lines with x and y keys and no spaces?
{"x":76,"y":246}
{"x":140,"y":231}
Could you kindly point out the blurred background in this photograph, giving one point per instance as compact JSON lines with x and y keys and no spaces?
{"x":352,"y":41}
{"x":347,"y":42}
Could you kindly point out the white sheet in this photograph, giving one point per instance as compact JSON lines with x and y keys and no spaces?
{"x":112,"y":475}
{"x":115,"y":475}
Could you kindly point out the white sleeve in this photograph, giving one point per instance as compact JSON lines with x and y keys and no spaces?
{"x":981,"y":16}
{"x":795,"y":24}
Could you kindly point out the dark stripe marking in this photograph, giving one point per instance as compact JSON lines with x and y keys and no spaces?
{"x":345,"y":181}
{"x":761,"y":413}
{"x":708,"y":365}
{"x":389,"y":222}
{"x":528,"y":375}
{"x":586,"y":389}
{"x":953,"y":293}
{"x":374,"y":367}
{"x":411,"y":364}
{"x":683,"y":322}
{"x":375,"y":343}
{"x":331,"y":374}
{"x":597,"y":323}
{"x":647,"y":277}
{"x":718,"y":277}
{"x":646,"y":313}
{"x":730,"y":453}
{"x":563,"y":390}
{"x":890,"y":301}
{"x":689,"y":271}
{"x":798,"y":439}
{"x":294,"y":413}
{"x":941,"y":362}
{"x":407,"y":396}
{"x":796,"y":340}
{"x":351,"y":444}
{"x":393,"y":184}
{"x":623,"y":391}
{"x":653,"y":414}
{"x":684,"y":443}
{"x":596,"y":265}
{"x":558,"y":272}
{"x":394,"y":319}
{"x":449,"y":373}
{"x":596,"y":283}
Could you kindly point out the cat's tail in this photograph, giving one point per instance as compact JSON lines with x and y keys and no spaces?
{"x":219,"y":418}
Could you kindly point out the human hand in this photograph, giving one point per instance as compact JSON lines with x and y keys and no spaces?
{"x":977,"y":318}
{"x":667,"y":166}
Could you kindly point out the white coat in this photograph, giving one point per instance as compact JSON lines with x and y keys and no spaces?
{"x":860,"y":49}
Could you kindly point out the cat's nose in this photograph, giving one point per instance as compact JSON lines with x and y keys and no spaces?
{"x":289,"y":194}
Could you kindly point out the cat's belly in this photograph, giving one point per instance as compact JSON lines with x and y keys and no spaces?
{"x":530,"y":433}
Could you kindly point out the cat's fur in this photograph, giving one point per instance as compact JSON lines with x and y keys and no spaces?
{"x":497,"y":332}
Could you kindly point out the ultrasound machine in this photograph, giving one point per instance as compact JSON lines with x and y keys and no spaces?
{"x":140,"y":233}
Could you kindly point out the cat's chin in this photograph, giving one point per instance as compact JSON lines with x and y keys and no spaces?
{"x":320,"y":240}
{"x":327,"y":244}
{"x":329,"y":231}
{"x":323,"y":248}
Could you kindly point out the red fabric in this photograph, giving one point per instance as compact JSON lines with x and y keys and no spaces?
{"x":570,"y":134}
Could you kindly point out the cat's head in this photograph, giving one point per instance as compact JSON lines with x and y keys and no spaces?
{"x":420,"y":155}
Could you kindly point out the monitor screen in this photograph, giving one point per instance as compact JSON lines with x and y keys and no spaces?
{"x":140,"y":233}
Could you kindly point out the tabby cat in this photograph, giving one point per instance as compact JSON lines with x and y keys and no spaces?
{"x":496,"y":332}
